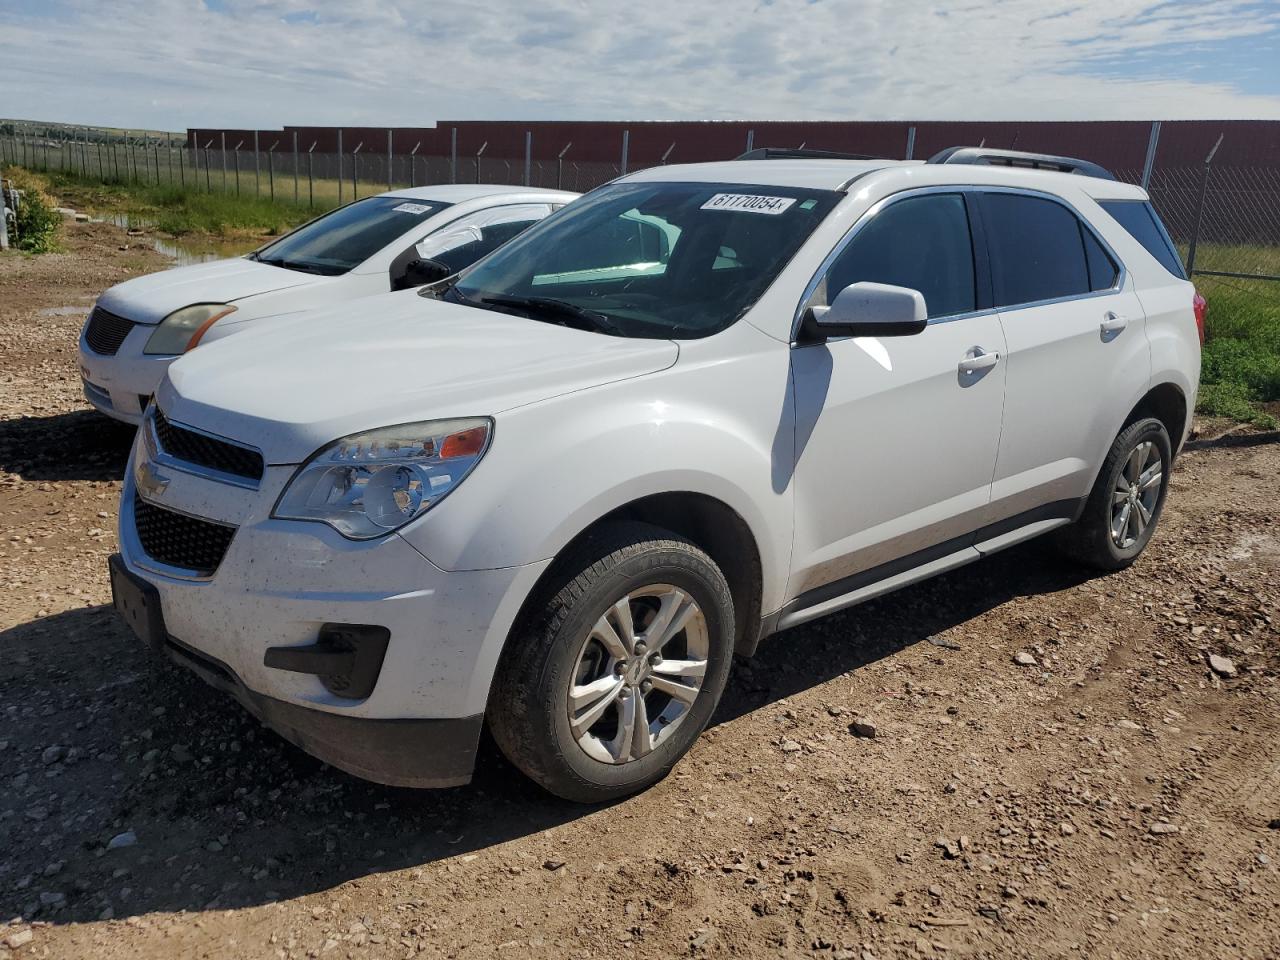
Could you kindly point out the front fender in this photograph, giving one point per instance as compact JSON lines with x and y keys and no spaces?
{"x":556,"y":467}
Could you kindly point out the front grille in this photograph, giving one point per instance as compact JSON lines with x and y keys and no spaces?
{"x":206,"y":451}
{"x":106,"y":331}
{"x":180,"y":541}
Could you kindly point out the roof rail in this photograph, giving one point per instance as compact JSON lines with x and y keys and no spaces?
{"x":1020,"y":158}
{"x":787,"y":153}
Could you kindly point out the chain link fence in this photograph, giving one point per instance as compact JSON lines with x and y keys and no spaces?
{"x":1224,"y":219}
{"x":298,"y":174}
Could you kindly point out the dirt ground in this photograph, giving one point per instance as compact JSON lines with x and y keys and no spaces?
{"x":1113,"y":797}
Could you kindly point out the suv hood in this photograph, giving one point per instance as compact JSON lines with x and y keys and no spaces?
{"x":151,"y":298}
{"x":297,"y":385}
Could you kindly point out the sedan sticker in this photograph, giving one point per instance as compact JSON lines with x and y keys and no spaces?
{"x":749,"y":203}
{"x":412,"y":208}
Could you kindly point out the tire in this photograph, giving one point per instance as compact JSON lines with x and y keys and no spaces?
{"x":1091,"y":539}
{"x":559,"y":739}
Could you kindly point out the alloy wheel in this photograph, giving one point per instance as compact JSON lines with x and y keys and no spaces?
{"x":1133,"y":502}
{"x":638,"y":673}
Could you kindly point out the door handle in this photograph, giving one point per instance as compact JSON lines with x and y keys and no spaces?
{"x":978,"y":359}
{"x":1113,"y":323}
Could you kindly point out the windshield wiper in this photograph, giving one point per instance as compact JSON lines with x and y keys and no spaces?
{"x":546,"y":308}
{"x":297,"y":265}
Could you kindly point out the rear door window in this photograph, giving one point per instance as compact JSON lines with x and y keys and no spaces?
{"x":922,"y":243}
{"x":1140,"y":220}
{"x":1037,"y":249}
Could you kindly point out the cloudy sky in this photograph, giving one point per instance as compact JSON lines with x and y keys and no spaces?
{"x":169,"y":64}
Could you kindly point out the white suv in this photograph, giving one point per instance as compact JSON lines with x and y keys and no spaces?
{"x":391,"y":241}
{"x":696,"y":407}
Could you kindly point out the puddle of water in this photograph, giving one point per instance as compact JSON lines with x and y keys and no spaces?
{"x":184,"y":250}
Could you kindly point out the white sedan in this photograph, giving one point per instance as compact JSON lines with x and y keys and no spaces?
{"x":388,"y":242}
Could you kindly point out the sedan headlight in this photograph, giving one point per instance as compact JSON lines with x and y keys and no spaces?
{"x":181,"y":330}
{"x":368,"y":484}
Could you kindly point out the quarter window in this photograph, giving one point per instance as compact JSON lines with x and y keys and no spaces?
{"x":1103,"y":271}
{"x":920,"y":242}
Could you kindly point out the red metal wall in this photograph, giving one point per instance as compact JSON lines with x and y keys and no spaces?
{"x":1120,"y":145}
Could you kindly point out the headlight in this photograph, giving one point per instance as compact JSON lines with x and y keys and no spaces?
{"x":181,"y":330}
{"x":368,"y":484}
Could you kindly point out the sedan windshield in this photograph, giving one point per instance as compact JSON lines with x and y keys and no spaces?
{"x":348,"y":236}
{"x":649,"y":259}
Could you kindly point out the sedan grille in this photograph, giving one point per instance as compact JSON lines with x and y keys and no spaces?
{"x":206,"y":451}
{"x":178,"y":540}
{"x":106,"y":331}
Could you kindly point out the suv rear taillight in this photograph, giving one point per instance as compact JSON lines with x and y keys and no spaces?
{"x":1199,"y":305}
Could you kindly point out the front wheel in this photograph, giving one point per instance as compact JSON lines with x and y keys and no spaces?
{"x":610,"y":681}
{"x":1124,"y":507}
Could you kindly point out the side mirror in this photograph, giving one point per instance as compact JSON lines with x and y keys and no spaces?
{"x":867,"y":309}
{"x":421,"y":271}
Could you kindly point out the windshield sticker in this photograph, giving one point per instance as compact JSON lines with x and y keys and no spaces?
{"x":412,"y":208}
{"x":749,"y":203}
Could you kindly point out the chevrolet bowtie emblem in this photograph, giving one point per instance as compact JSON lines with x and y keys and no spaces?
{"x":151,"y":482}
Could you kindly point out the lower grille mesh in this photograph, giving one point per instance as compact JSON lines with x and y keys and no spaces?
{"x":177,"y":540}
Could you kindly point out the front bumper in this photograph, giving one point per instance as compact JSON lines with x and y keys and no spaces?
{"x":414,"y":752}
{"x":120,"y":385}
{"x":280,"y":582}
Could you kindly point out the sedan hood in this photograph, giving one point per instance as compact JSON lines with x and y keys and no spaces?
{"x":151,"y":298}
{"x":296,"y":385}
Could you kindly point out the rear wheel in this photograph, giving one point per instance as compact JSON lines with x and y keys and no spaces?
{"x":1126,"y":502}
{"x":611,"y":680}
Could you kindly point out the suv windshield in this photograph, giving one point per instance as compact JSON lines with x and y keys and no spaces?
{"x":650,"y":259}
{"x":346,"y":237}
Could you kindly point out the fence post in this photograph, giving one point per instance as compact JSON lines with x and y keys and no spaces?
{"x":295,"y":168}
{"x":1204,"y":190}
{"x":479,"y":154}
{"x":453,"y":155}
{"x":626,"y":149}
{"x":560,"y":166}
{"x":155,"y":151}
{"x":224,"y":161}
{"x":208,"y":177}
{"x":751,"y":140}
{"x":311,"y":182}
{"x":1151,"y":153}
{"x":271,"y":170}
{"x":663,"y":161}
{"x":182,"y":165}
{"x":911,"y":143}
{"x":389,"y":155}
{"x":413,"y":164}
{"x":528,"y":155}
{"x":237,"y":156}
{"x":257,"y":171}
{"x":355,"y":172}
{"x":339,"y":166}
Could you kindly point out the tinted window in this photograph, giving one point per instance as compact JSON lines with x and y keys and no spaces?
{"x":1102,"y":269}
{"x":348,"y":236}
{"x":463,"y":242}
{"x":1137,"y":217}
{"x":922,"y":243}
{"x":1036,"y":249}
{"x":653,"y":259}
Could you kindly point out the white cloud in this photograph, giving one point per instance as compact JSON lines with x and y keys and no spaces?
{"x":174,"y":63}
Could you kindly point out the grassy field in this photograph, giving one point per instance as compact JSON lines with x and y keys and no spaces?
{"x":179,"y":211}
{"x":1241,"y":366}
